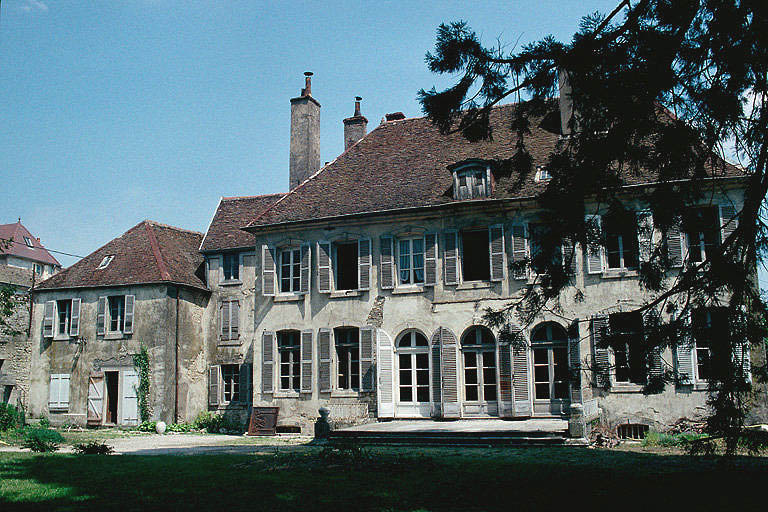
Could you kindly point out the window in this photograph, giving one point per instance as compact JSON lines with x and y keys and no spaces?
{"x":38,"y":269}
{"x":116,"y":312}
{"x":230,"y":382}
{"x":230,"y":320}
{"x":621,"y":240}
{"x":106,"y":261}
{"x":346,"y":265}
{"x":542,"y":174}
{"x":707,"y":324}
{"x":413,"y":368}
{"x":231,"y":266}
{"x":63,"y":316}
{"x":702,"y":232}
{"x":635,"y":431}
{"x":630,"y":360}
{"x":411,"y":261}
{"x":475,"y":263}
{"x":347,"y":358}
{"x":541,"y":256}
{"x":478,"y":347}
{"x":289,"y":270}
{"x":471,"y":183}
{"x":28,"y":241}
{"x":58,"y":400}
{"x":289,"y":348}
{"x":550,"y":362}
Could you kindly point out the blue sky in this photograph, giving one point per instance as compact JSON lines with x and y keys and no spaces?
{"x":118,"y":111}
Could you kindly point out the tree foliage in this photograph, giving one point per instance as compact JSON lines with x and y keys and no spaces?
{"x":673,"y":86}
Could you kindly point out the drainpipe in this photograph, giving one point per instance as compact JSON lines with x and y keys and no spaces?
{"x":176,"y":371}
{"x":31,"y":303}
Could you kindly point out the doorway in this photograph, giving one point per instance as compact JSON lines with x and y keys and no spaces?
{"x":412,"y":373}
{"x":111,"y":381}
{"x":478,"y":348}
{"x":549,"y":343}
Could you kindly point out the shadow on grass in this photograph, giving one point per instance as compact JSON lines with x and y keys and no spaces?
{"x":393,"y":479}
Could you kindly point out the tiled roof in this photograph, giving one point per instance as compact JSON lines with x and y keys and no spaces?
{"x":147,"y":253}
{"x":15,"y":276}
{"x":405,"y":164}
{"x":18,"y":247}
{"x":232,"y":214}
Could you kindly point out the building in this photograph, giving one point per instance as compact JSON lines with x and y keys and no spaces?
{"x":24,"y":250}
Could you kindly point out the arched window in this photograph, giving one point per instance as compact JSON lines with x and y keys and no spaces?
{"x":412,"y":368}
{"x":478,"y":347}
{"x":550,"y":362}
{"x":288,"y":348}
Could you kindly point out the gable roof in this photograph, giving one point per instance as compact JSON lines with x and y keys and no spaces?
{"x":405,"y":164}
{"x":233,"y":213}
{"x":149,"y":252}
{"x":17,"y":233}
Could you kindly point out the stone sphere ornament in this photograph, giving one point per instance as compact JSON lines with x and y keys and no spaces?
{"x":160,"y":427}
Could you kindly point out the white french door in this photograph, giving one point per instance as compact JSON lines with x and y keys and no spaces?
{"x":412,"y":381}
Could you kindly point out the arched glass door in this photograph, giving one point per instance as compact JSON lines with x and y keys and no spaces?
{"x":549,"y":342}
{"x":478,"y":350}
{"x":412,"y":387}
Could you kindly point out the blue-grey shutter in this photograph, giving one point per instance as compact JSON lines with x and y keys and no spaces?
{"x":674,"y":242}
{"x":324,"y":267}
{"x":437,"y":383}
{"x":569,"y":256}
{"x":574,"y":363}
{"x":306,"y":361}
{"x":324,"y":352}
{"x":234,"y":320}
{"x":246,"y":392}
{"x":506,"y":394}
{"x":267,"y":361}
{"x":49,"y":313}
{"x":520,"y":381}
{"x":367,"y":346}
{"x":684,"y":354}
{"x":728,"y":221}
{"x":385,"y":370}
{"x":430,"y":259}
{"x":601,"y":359}
{"x":594,"y":252}
{"x":451,"y":257}
{"x":519,"y":249}
{"x":449,"y":370}
{"x":268,"y":271}
{"x":213,"y":385}
{"x":644,"y":235}
{"x":101,"y":316}
{"x":130,"y":301}
{"x":74,"y":320}
{"x":364,"y":264}
{"x":224,"y":316}
{"x":306,"y":262}
{"x":496,"y":250}
{"x":387,"y":264}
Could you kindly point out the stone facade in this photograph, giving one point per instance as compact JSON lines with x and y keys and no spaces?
{"x":16,"y":353}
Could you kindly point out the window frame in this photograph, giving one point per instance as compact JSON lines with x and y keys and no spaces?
{"x":234,"y":267}
{"x":411,"y":263}
{"x":613,"y":317}
{"x":472,"y":187}
{"x":121,"y":318}
{"x":479,"y":349}
{"x":294,"y":268}
{"x":57,"y":333}
{"x":462,"y":253}
{"x":233,"y":382}
{"x":629,"y":247}
{"x":550,"y":344}
{"x":701,"y":244}
{"x":105,"y":261}
{"x":335,"y":260}
{"x":348,"y":347}
{"x":294,"y":363}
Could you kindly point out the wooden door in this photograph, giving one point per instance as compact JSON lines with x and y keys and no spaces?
{"x":95,"y":399}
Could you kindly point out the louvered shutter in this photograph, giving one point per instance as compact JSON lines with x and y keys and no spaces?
{"x":246,"y":393}
{"x":674,"y":244}
{"x":594,"y":253}
{"x":95,"y":398}
{"x":496,"y":250}
{"x":267,"y":361}
{"x":324,"y":352}
{"x":101,"y":316}
{"x":569,"y":256}
{"x":601,"y":359}
{"x":268,"y":271}
{"x":74,"y":320}
{"x":224,"y":316}
{"x":449,"y":370}
{"x":742,"y":360}
{"x":574,"y":363}
{"x":519,"y":249}
{"x":306,"y":361}
{"x":684,"y":356}
{"x":306,"y":265}
{"x":367,"y":346}
{"x":64,"y":391}
{"x":234,"y":320}
{"x":385,"y":370}
{"x":520,"y":381}
{"x":387,"y":265}
{"x":506,"y":394}
{"x":437,"y":383}
{"x":214,"y":378}
{"x":451,"y":257}
{"x":644,"y":235}
{"x":130,"y":301}
{"x":655,"y":363}
{"x":364,"y":264}
{"x":728,"y":221}
{"x":49,"y":312}
{"x":53,"y":392}
{"x":324,"y":267}
{"x":430,"y":259}
{"x":59,"y":392}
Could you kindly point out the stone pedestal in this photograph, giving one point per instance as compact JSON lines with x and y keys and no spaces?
{"x":577,"y":427}
{"x":322,"y":425}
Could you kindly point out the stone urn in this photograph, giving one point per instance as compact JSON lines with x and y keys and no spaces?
{"x":160,"y":427}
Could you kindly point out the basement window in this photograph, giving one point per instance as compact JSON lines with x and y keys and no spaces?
{"x":634,"y":431}
{"x":106,"y":261}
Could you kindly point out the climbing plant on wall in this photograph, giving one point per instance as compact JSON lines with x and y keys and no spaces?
{"x":141,"y":362}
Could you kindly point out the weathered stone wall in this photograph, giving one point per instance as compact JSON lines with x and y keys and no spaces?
{"x":16,"y":352}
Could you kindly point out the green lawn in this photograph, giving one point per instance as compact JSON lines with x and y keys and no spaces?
{"x":307,"y":478}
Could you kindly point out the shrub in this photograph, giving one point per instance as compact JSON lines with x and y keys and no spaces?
{"x":667,"y":440}
{"x":44,"y":422}
{"x":181,"y":427}
{"x":42,"y":439}
{"x":93,"y":448}
{"x":218,"y":424}
{"x":10,"y":417}
{"x":147,"y":426}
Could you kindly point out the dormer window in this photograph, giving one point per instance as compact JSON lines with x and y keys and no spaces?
{"x":471,"y":181}
{"x":28,"y":241}
{"x":106,"y":261}
{"x":542,"y":174}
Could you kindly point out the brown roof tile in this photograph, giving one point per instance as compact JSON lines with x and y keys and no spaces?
{"x":16,"y":233}
{"x":232,"y":214}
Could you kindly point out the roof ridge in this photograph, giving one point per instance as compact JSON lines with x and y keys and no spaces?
{"x":175,"y":228}
{"x":237,"y":198}
{"x":164,"y":274}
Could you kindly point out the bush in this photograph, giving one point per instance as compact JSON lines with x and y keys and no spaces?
{"x":668,"y":440}
{"x":147,"y":426}
{"x":93,"y":448}
{"x":218,"y":424}
{"x":10,"y":417}
{"x":181,"y":427}
{"x":44,"y":422}
{"x":42,"y":439}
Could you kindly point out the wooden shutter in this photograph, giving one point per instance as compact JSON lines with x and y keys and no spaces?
{"x":74,"y":319}
{"x":130,"y":301}
{"x":574,"y":363}
{"x":324,"y":267}
{"x":306,"y":265}
{"x":59,"y":392}
{"x":268,"y":272}
{"x":387,"y":267}
{"x":385,"y":369}
{"x":53,"y":392}
{"x":674,"y":242}
{"x":742,"y":360}
{"x":214,"y":379}
{"x":224,"y":316}
{"x":367,"y":346}
{"x":364,"y":264}
{"x":101,"y":316}
{"x":324,"y":350}
{"x":437,"y":382}
{"x":246,"y":393}
{"x":520,"y":249}
{"x":49,"y":313}
{"x":520,"y":381}
{"x":234,"y":320}
{"x":569,"y":256}
{"x":430,"y":259}
{"x":644,"y":235}
{"x":451,"y":257}
{"x":496,"y":250}
{"x":267,"y":364}
{"x":728,"y":221}
{"x":449,"y":371}
{"x":594,"y":253}
{"x":213,"y":270}
{"x":684,"y":355}
{"x":600,"y":356}
{"x":655,"y":363}
{"x":129,"y":410}
{"x":306,"y":361}
{"x":95,"y":398}
{"x":506,"y":395}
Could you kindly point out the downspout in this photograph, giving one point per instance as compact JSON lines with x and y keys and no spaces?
{"x":176,"y":371}
{"x":31,"y":303}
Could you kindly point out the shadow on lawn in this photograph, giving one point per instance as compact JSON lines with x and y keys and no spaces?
{"x":384,"y":479}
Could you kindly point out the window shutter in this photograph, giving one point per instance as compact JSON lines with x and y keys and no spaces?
{"x":600,"y":356}
{"x":674,"y":241}
{"x":59,"y":392}
{"x":101,"y":316}
{"x":496,"y":250}
{"x":306,"y":260}
{"x":684,"y":356}
{"x":594,"y":253}
{"x":520,"y":381}
{"x":224,"y":315}
{"x":306,"y":361}
{"x":437,"y":382}
{"x":324,"y":349}
{"x":268,"y":271}
{"x":74,"y":321}
{"x":655,"y":363}
{"x":644,"y":235}
{"x":234,"y":320}
{"x":569,"y":256}
{"x":386,"y":267}
{"x":267,"y":350}
{"x":449,"y":370}
{"x":95,"y":398}
{"x":53,"y":392}
{"x":130,"y":301}
{"x":519,"y":249}
{"x":364,"y":264}
{"x":49,"y":312}
{"x":213,"y":385}
{"x":324,"y":267}
{"x":246,"y":394}
{"x":213,"y":270}
{"x":385,"y":368}
{"x":742,"y":360}
{"x":574,"y":363}
{"x":64,"y":392}
{"x":728,"y":221}
{"x":367,"y":346}
{"x":430,"y":259}
{"x":451,"y":257}
{"x":506,"y":396}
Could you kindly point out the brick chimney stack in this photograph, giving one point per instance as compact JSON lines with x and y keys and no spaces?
{"x":355,"y":127}
{"x":305,"y":135}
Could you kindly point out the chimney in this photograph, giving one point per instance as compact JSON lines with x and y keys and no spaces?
{"x":355,"y":127}
{"x":305,"y":135}
{"x":566,"y":102}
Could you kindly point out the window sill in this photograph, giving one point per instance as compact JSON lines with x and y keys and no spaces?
{"x":292,"y":297}
{"x":344,"y":393}
{"x":229,"y":343}
{"x":626,"y":388}
{"x":475,"y":285}
{"x":345,"y":293}
{"x":61,"y":337}
{"x":700,"y":386}
{"x":230,"y":405}
{"x":405,"y":290}
{"x":286,"y":394}
{"x":617,"y":273}
{"x":114,"y":336}
{"x":58,"y":411}
{"x":230,"y":282}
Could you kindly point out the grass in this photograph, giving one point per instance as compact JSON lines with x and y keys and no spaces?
{"x":15,"y":437}
{"x":391,"y":479}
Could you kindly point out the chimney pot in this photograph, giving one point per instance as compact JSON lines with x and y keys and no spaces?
{"x":394,"y":116}
{"x":307,"y":90}
{"x":355,"y":127}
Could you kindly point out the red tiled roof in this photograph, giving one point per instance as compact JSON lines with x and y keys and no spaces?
{"x":232,"y":214}
{"x":147,"y":253}
{"x":18,"y":247}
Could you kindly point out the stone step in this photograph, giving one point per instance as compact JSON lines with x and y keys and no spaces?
{"x":341,"y":437}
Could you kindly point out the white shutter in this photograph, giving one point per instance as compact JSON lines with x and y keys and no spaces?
{"x":594,"y":253}
{"x":684,"y":356}
{"x":569,"y":256}
{"x":267,"y":364}
{"x":385,"y":390}
{"x":59,"y":392}
{"x":520,"y":249}
{"x":521,"y":382}
{"x":324,"y":267}
{"x":600,"y":355}
{"x":496,"y":251}
{"x":101,"y":316}
{"x":728,"y":221}
{"x":430,"y":259}
{"x":674,"y":242}
{"x":506,"y":396}
{"x":268,"y":271}
{"x":367,"y":346}
{"x":450,"y":373}
{"x":306,"y":265}
{"x":364,"y":264}
{"x":324,"y":352}
{"x":451,"y":257}
{"x":387,"y":264}
{"x":644,"y":235}
{"x":129,"y":412}
{"x":74,"y":321}
{"x":743,"y":361}
{"x":49,"y":313}
{"x":306,"y":361}
{"x":214,"y":379}
{"x":130,"y":301}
